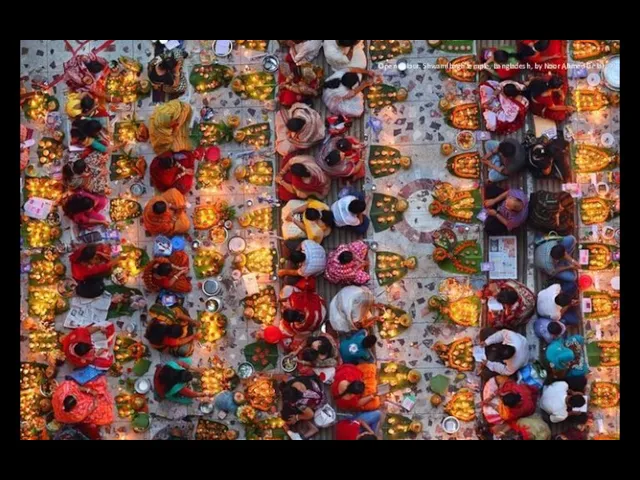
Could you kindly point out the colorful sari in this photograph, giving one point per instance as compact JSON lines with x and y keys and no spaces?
{"x":179,"y":393}
{"x":542,"y":105}
{"x":568,"y":354}
{"x":155,"y":283}
{"x":339,"y":100}
{"x":350,"y":308}
{"x":169,"y":222}
{"x":499,"y":70}
{"x":178,"y":347}
{"x":351,"y":166}
{"x":180,"y":86}
{"x":312,"y":132}
{"x":511,"y":315}
{"x":97,"y":266}
{"x":96,"y":410}
{"x":303,"y":297}
{"x":165,"y":178}
{"x":366,"y":373}
{"x":169,"y":127}
{"x":318,"y":185}
{"x":527,"y":405}
{"x":315,"y":230}
{"x":353,"y":272}
{"x":502,"y":114}
{"x":89,"y":217}
{"x":305,"y":51}
{"x":538,"y":61}
{"x":78,"y":77}
{"x":298,"y":83}
{"x":102,"y":360}
{"x":96,"y":177}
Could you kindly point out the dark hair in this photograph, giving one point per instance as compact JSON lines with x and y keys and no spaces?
{"x":159,"y":207}
{"x":350,"y":79}
{"x":311,"y":214}
{"x":90,"y":288}
{"x":69,"y":402}
{"x":297,"y":256}
{"x":300,"y":170}
{"x":87,"y":103}
{"x":166,"y":162}
{"x":357,"y":206}
{"x":82,"y":348}
{"x":541,"y":45}
{"x":501,"y":56}
{"x":563,"y":299}
{"x":555,"y":81}
{"x":367,"y":436}
{"x":293,"y":316}
{"x":510,"y":90}
{"x":309,"y":355}
{"x":296,"y":124}
{"x":576,"y":401}
{"x":290,"y":394}
{"x":347,"y":43}
{"x":356,"y":387}
{"x":499,"y":352}
{"x":94,"y":66}
{"x":90,"y":128}
{"x":554,"y":328}
{"x":174,"y":331}
{"x":78,"y":203}
{"x":332,"y":84}
{"x":87,"y":253}
{"x":333,"y":158}
{"x":163,"y":269}
{"x":327,"y":218}
{"x":155,"y":333}
{"x":525,"y":51}
{"x":511,"y":399}
{"x":344,"y":144}
{"x":345,"y":257}
{"x":507,"y":149}
{"x":325,"y":347}
{"x":77,"y":133}
{"x":74,"y":168}
{"x":170,"y":376}
{"x":369,"y":341}
{"x":168,"y":63}
{"x":558,"y":252}
{"x":507,"y":296}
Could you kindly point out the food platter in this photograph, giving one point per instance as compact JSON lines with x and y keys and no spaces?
{"x":611,"y":73}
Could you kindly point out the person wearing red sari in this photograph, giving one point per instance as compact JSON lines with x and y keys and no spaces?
{"x":91,"y":261}
{"x":80,"y":351}
{"x":504,"y":106}
{"x":301,"y":177}
{"x":84,"y":208}
{"x":515,"y":400}
{"x":517,"y":301}
{"x":173,"y":170}
{"x":540,"y":54}
{"x":165,"y":214}
{"x":303,"y":310}
{"x":548,"y":98}
{"x":354,"y":387}
{"x":298,"y":83}
{"x":168,"y":273}
{"x":341,"y":157}
{"x":89,"y":404}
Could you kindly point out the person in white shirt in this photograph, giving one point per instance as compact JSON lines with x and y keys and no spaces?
{"x":343,"y":54}
{"x":506,"y":352}
{"x":561,"y":401}
{"x":311,"y":259}
{"x":554,"y":304}
{"x":348,"y":212}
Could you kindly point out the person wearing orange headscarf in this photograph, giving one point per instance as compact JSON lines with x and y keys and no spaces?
{"x":165,"y":214}
{"x":89,"y":404}
{"x":168,"y":273}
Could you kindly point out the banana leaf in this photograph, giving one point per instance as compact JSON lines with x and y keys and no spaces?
{"x":270,"y":355}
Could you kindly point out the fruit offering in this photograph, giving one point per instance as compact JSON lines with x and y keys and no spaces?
{"x":591,"y":159}
{"x":262,"y":355}
{"x":211,"y":430}
{"x":393,"y":321}
{"x":454,"y":204}
{"x":246,"y":414}
{"x":262,"y":260}
{"x":381,"y":95}
{"x":132,"y":260}
{"x":46,"y":269}
{"x":465,"y":165}
{"x":43,"y":187}
{"x":267,"y":429}
{"x":255,"y":85}
{"x":595,"y":210}
{"x":604,"y":354}
{"x":125,"y":166}
{"x":465,"y":116}
{"x":126,"y":349}
{"x":259,"y":173}
{"x":208,"y":262}
{"x":261,"y":218}
{"x":391,"y":267}
{"x":601,"y":256}
{"x":212,"y":326}
{"x":39,"y":234}
{"x":218,"y":378}
{"x":207,"y":78}
{"x":258,"y":45}
{"x":603,"y":305}
{"x":589,"y":100}
{"x":49,"y":150}
{"x":261,"y":393}
{"x":212,"y":174}
{"x":128,"y":405}
{"x":39,"y":105}
{"x":257,"y":135}
{"x":261,"y":307}
{"x":207,"y":133}
{"x":386,"y":49}
{"x":129,"y":132}
{"x":45,"y":303}
{"x":464,"y":311}
{"x":385,"y":161}
{"x":386,"y":211}
{"x":123,"y":84}
{"x":44,"y":339}
{"x":124,"y":209}
{"x":208,"y":216}
{"x":461,"y":69}
{"x":399,"y":427}
{"x":604,"y":394}
{"x":593,"y":49}
{"x":398,"y":375}
{"x":461,"y":405}
{"x":457,"y":354}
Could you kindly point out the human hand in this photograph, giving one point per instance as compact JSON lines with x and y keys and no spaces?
{"x":492,"y":213}
{"x":489,"y":203}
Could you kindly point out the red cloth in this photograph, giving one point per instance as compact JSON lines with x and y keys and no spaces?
{"x":314,"y":185}
{"x":286,"y":96}
{"x":502,"y":73}
{"x":88,"y":217}
{"x":538,"y":103}
{"x":556,"y":47}
{"x":82,"y":271}
{"x":526,"y":407}
{"x":94,"y":409}
{"x":308,"y":302}
{"x":82,"y":335}
{"x":347,"y":430}
{"x":349,"y":373}
{"x":165,"y":178}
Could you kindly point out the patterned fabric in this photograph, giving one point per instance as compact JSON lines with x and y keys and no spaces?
{"x":316,"y":259}
{"x":179,"y":55}
{"x":515,"y":219}
{"x":353,"y":272}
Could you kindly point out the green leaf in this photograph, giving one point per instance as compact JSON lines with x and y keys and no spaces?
{"x":593,"y":354}
{"x":439,"y":384}
{"x":141,"y":367}
{"x":141,"y":421}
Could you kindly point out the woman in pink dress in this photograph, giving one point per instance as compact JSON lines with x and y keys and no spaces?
{"x":504,"y":106}
{"x":341,"y":157}
{"x":84,"y":208}
{"x":348,"y":264}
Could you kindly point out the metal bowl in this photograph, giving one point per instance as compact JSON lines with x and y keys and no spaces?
{"x":137,"y":189}
{"x":289,"y":363}
{"x":142,"y":386}
{"x":271,"y":63}
{"x":451,"y":425}
{"x":245,"y":370}
{"x":611,"y":73}
{"x":213,"y":304}
{"x":237,"y":245}
{"x":222,"y":53}
{"x":206,"y":408}
{"x":211,"y":288}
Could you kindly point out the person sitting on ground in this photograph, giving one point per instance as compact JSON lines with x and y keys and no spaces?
{"x":171,"y":382}
{"x":171,"y":330}
{"x":90,"y":404}
{"x":342,"y":92}
{"x":298,"y":128}
{"x":554,"y":258}
{"x":349,"y":264}
{"x":556,"y":305}
{"x":318,"y":351}
{"x":173,"y":170}
{"x":355,"y":387}
{"x":301,"y":397}
{"x":91,"y":261}
{"x":168,"y":273}
{"x":506,"y":352}
{"x":87,"y":172}
{"x":348,"y":212}
{"x":310,"y":258}
{"x":548,"y":98}
{"x":504,"y":106}
{"x":501,"y":63}
{"x":549,"y":330}
{"x":352,"y":309}
{"x":511,"y":212}
{"x":302,"y":51}
{"x":512,"y":400}
{"x":166,"y":71}
{"x":566,"y":357}
{"x":300,"y":177}
{"x":303,"y":310}
{"x":80,"y":351}
{"x":84,"y":104}
{"x":516,"y":303}
{"x":565,"y":398}
{"x":342,"y":157}
{"x":165,"y":214}
{"x":356,"y":348}
{"x":88,"y":133}
{"x":341,"y":54}
{"x":359,"y":427}
{"x":504,"y":159}
{"x":309,"y":219}
{"x":84,"y":208}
